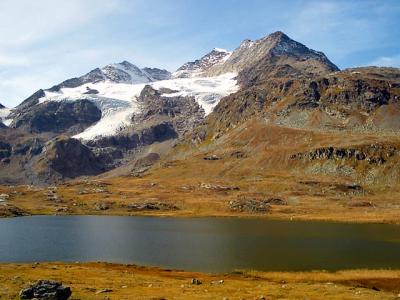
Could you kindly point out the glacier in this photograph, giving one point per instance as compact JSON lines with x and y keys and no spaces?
{"x":118,"y":101}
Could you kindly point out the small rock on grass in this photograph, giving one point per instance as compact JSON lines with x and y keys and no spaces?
{"x":196,"y":281}
{"x":104,"y":291}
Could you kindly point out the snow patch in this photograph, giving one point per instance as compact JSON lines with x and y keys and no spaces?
{"x":207,"y":91}
{"x":221,"y":50}
{"x":4,"y":113}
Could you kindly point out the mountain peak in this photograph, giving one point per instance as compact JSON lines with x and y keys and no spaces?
{"x":200,"y":66}
{"x":277,"y":35}
{"x":273,"y":55}
{"x":126,"y":64}
{"x":220,"y":50}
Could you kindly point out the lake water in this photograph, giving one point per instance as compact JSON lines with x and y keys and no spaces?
{"x":201,"y":244}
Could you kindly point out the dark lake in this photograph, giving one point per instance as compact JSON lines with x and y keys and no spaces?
{"x":201,"y":244}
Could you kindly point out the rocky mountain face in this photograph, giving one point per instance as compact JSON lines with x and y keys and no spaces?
{"x":157,"y":74}
{"x":162,"y":119}
{"x":69,"y":158}
{"x":200,"y":67}
{"x":361,"y":99}
{"x":58,"y":117}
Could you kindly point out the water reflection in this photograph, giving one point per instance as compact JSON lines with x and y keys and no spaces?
{"x":203,"y":244}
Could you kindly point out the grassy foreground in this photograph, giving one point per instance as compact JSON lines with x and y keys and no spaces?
{"x":113,"y":281}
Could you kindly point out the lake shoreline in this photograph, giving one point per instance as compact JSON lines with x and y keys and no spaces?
{"x":179,"y":214}
{"x":122,"y":281}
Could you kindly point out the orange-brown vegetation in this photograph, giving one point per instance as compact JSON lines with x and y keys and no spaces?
{"x":112,"y":281}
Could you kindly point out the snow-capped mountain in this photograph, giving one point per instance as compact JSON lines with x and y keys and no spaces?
{"x":118,"y":101}
{"x":200,"y":66}
{"x":112,"y":116}
{"x":114,"y":90}
{"x":116,"y":115}
{"x":125,"y":72}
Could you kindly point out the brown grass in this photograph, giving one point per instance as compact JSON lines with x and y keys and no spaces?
{"x":132,"y":282}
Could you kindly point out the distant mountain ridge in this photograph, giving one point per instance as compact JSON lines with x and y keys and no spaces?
{"x":123,"y":72}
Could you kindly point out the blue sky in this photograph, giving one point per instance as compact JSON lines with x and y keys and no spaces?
{"x":43,"y":42}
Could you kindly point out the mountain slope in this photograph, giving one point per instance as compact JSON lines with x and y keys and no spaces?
{"x":362,"y":100}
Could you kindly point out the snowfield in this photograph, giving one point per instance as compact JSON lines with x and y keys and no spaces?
{"x":4,"y":112}
{"x":118,"y":101}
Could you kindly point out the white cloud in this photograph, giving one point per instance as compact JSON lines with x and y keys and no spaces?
{"x":23,"y":22}
{"x":12,"y":60}
{"x":39,"y":44}
{"x":386,"y":61}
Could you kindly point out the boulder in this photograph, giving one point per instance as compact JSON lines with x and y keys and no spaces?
{"x":211,"y":157}
{"x":46,"y":290}
{"x":4,"y":197}
{"x":196,"y":281}
{"x":219,"y":188}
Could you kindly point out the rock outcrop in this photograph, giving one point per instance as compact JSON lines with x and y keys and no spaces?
{"x":57,"y":116}
{"x":69,"y":158}
{"x":157,"y":74}
{"x":374,"y":154}
{"x":5,"y":150}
